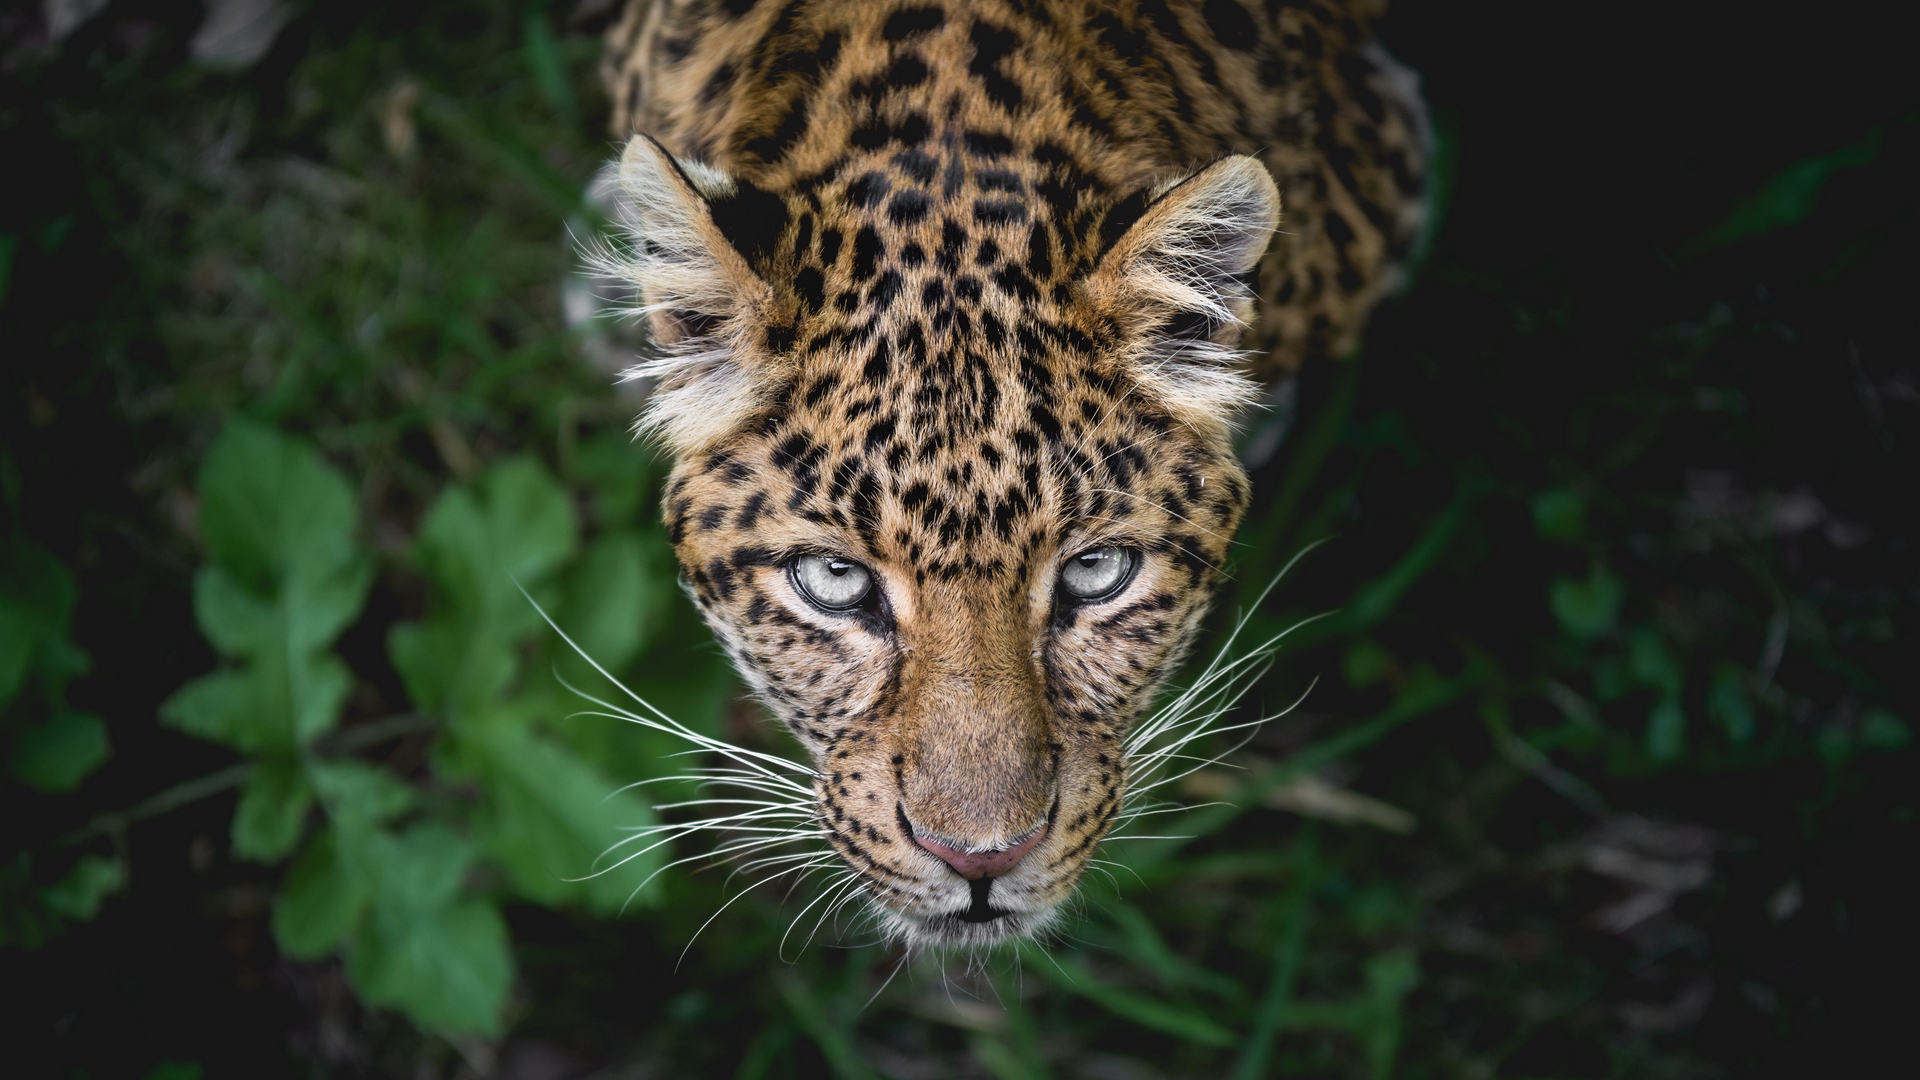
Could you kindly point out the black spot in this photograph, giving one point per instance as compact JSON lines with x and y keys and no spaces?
{"x":868,"y":190}
{"x":991,"y":44}
{"x":1015,"y":281}
{"x":750,"y":513}
{"x":879,"y":363}
{"x":1120,"y":217}
{"x":917,"y":165}
{"x":718,"y":83}
{"x":779,"y":337}
{"x":811,"y":286}
{"x":1039,"y":253}
{"x":1231,"y":25}
{"x":999,"y":180}
{"x":820,"y":389}
{"x":752,"y":220}
{"x":774,"y":145}
{"x":907,"y":70}
{"x":880,"y":296}
{"x":866,"y":253}
{"x":829,"y":246}
{"x":909,"y":21}
{"x":986,"y":145}
{"x":908,"y":207}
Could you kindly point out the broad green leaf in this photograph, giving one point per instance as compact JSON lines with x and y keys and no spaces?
{"x":1727,"y":702}
{"x":273,"y":809}
{"x":224,"y":707}
{"x":552,"y":820}
{"x":320,"y":902}
{"x":453,"y":665}
{"x":1881,"y":730}
{"x":1367,"y":663}
{"x":1653,"y":664}
{"x":359,"y":796}
{"x":479,"y":547}
{"x":36,"y":609}
{"x":1789,"y":195}
{"x":260,"y":709}
{"x":78,"y":896}
{"x":614,"y":600}
{"x":1589,"y":608}
{"x":271,"y":509}
{"x":1560,"y":515}
{"x":448,"y":968}
{"x":18,"y":636}
{"x":285,"y":580}
{"x":57,"y":753}
{"x":418,"y":870}
{"x":1667,"y":731}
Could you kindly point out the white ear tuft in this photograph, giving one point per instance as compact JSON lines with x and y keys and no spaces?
{"x":701,"y":299}
{"x":1177,"y":281}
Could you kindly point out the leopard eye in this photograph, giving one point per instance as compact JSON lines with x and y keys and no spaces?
{"x":832,"y":583}
{"x":1098,"y":573}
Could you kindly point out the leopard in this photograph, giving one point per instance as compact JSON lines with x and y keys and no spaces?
{"x":953,"y":310}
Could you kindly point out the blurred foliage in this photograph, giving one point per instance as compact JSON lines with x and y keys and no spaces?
{"x":1606,"y":772}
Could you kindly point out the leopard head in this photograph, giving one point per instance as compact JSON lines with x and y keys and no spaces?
{"x":953,"y":483}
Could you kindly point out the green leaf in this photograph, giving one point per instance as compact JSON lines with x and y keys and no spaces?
{"x":614,"y":599}
{"x":1560,"y":515}
{"x":59,"y":752}
{"x":78,"y":896}
{"x":36,"y":609}
{"x":418,"y":870}
{"x":285,"y":580}
{"x":1881,"y":730}
{"x":1727,"y":702}
{"x":271,"y":509}
{"x":448,"y":968}
{"x":321,"y":901}
{"x":478,"y":548}
{"x":273,"y":809}
{"x":259,"y":709}
{"x":1652,"y":664}
{"x":1586,"y":609}
{"x":1788,"y":196}
{"x":1667,"y":731}
{"x":360,"y":796}
{"x":550,"y":818}
{"x":1367,"y":663}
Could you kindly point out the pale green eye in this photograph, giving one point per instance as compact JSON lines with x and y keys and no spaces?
{"x":1093,"y":574}
{"x":832,"y":582}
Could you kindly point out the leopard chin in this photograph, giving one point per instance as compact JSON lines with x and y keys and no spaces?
{"x":951,"y":311}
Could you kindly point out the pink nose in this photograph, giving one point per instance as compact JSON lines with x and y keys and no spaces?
{"x":974,"y":865}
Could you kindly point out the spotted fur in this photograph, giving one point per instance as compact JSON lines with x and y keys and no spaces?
{"x":958,"y":291}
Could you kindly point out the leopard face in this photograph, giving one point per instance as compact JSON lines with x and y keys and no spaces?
{"x":948,"y":383}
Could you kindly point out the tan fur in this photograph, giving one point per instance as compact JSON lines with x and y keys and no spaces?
{"x":956,"y":291}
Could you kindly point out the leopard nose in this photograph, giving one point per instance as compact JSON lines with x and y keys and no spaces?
{"x":974,"y":865}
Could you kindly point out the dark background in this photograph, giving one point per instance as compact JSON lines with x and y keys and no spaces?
{"x":1639,"y":443}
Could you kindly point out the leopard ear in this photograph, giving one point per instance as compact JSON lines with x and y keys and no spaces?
{"x":693,"y":235}
{"x":1176,"y":281}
